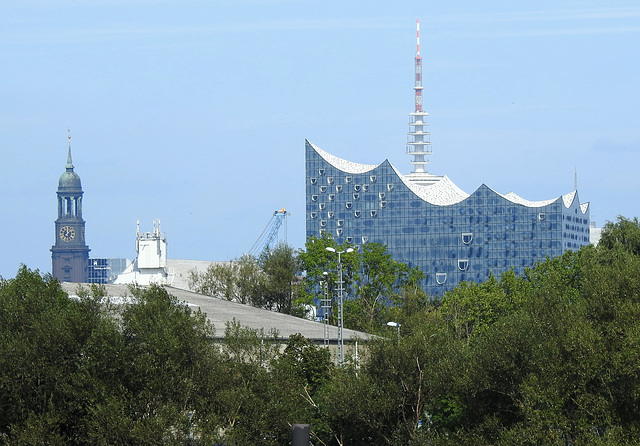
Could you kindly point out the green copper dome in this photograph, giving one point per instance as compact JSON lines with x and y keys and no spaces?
{"x":69,"y":181}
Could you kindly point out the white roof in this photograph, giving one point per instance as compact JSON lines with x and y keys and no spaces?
{"x":442,"y":192}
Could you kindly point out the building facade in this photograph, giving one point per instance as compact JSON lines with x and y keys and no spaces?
{"x":426,"y":221}
{"x":450,"y":235}
{"x":70,"y":253}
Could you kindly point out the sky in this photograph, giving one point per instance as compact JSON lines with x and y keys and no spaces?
{"x":195,"y":112}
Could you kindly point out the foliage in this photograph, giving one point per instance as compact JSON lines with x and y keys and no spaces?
{"x":268,"y":282}
{"x":623,"y":234}
{"x":240,"y":280}
{"x":546,"y":358}
{"x":372,"y":280}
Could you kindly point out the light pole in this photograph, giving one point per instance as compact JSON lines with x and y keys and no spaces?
{"x":340,"y":305}
{"x":326,"y":308}
{"x":395,"y":324}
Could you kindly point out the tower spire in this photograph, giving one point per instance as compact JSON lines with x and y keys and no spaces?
{"x":69,"y":161}
{"x":418,"y":65}
{"x":418,"y":141}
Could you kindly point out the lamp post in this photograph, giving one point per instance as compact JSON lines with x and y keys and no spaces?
{"x":340,"y":305}
{"x":395,"y":324}
{"x":326,"y":308}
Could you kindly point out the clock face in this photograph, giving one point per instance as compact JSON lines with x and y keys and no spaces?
{"x":67,"y":233}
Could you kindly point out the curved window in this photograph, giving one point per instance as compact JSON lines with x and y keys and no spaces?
{"x":365,"y":239}
{"x":322,"y":232}
{"x":389,"y":187}
{"x":356,"y":196}
{"x":330,"y":180}
{"x":383,"y":204}
{"x":441,"y":278}
{"x":339,"y":232}
{"x":348,"y":179}
{"x":321,"y":171}
{"x":365,"y":187}
{"x":314,"y":198}
{"x":340,"y":222}
{"x":374,"y":213}
{"x":349,"y":205}
{"x":381,"y":195}
{"x":338,"y":188}
{"x":356,"y":187}
{"x":373,"y":178}
{"x":321,"y":206}
{"x":323,"y":189}
{"x":323,"y":223}
{"x":542,"y":216}
{"x":349,"y":240}
{"x":357,"y":214}
{"x":330,"y":214}
{"x":332,"y":197}
{"x":467,"y":237}
{"x":314,"y":214}
{"x":463,"y":264}
{"x":314,"y":180}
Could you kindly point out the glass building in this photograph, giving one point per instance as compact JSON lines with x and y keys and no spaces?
{"x":432,"y":224}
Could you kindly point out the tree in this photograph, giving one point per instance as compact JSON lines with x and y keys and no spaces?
{"x":280,"y":267}
{"x":623,"y":234}
{"x":240,"y":280}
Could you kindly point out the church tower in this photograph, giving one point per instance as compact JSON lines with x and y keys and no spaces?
{"x":70,"y":254}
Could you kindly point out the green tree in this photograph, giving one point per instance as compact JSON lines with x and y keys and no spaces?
{"x":623,"y":234}
{"x":241,"y":280}
{"x":279,"y":290}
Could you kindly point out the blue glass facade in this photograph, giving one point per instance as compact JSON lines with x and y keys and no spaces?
{"x":453,"y":236}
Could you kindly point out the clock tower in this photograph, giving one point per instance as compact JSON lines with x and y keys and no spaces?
{"x":70,"y":254}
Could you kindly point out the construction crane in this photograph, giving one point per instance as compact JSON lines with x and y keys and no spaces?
{"x":270,"y":232}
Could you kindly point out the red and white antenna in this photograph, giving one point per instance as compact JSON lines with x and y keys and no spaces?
{"x":418,"y":85}
{"x":418,"y":141}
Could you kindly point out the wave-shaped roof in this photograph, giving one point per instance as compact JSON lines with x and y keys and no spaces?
{"x":443,"y":192}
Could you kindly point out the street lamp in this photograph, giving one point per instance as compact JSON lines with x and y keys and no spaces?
{"x":395,"y":324}
{"x":340,"y":305}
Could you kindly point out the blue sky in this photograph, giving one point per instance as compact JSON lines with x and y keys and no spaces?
{"x":195,"y":112}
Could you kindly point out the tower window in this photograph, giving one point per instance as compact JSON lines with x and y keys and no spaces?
{"x":338,"y":188}
{"x":463,"y":264}
{"x":356,"y":196}
{"x":321,"y":171}
{"x":348,"y":179}
{"x":340,"y":222}
{"x":323,"y":189}
{"x":374,"y":213}
{"x":373,"y":178}
{"x":329,"y":180}
{"x":365,"y":187}
{"x":332,"y":197}
{"x":383,"y":204}
{"x":314,"y":214}
{"x":390,"y":187}
{"x":381,"y":195}
{"x":314,"y":180}
{"x":365,"y":239}
{"x":314,"y":198}
{"x":322,"y":206}
{"x":349,"y":239}
{"x":349,"y":205}
{"x":542,"y":216}
{"x":357,"y":214}
{"x":356,"y":187}
{"x":323,"y":223}
{"x":441,"y":278}
{"x":339,"y":232}
{"x":467,"y":237}
{"x":330,"y":214}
